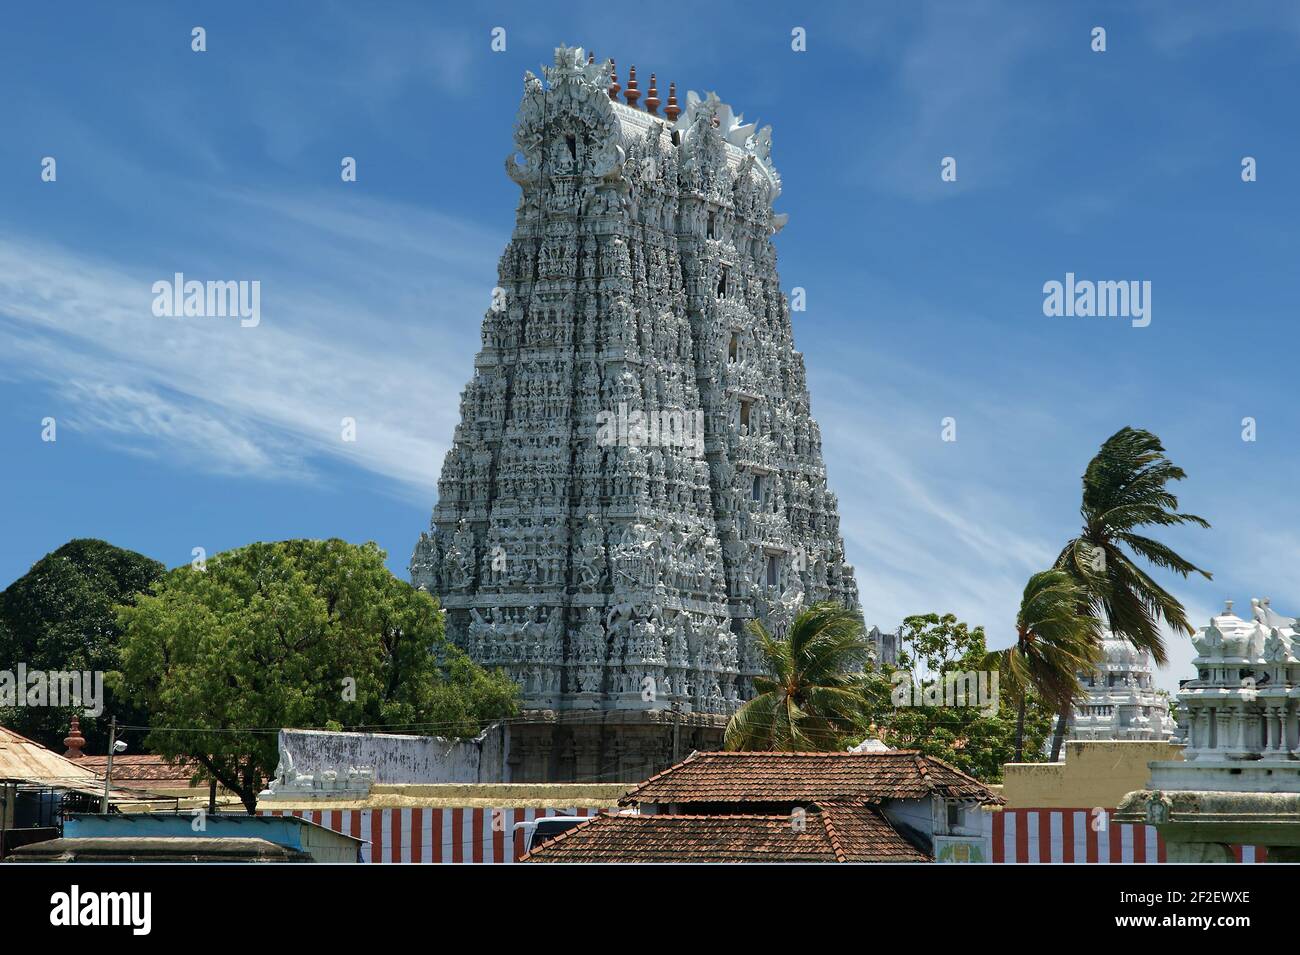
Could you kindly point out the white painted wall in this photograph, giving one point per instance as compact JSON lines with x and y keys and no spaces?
{"x":399,"y":759}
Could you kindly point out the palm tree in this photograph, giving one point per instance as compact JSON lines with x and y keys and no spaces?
{"x":814,"y":697}
{"x":1054,"y":643}
{"x":1124,"y":491}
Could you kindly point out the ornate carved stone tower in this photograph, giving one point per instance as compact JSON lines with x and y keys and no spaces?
{"x":636,"y":472}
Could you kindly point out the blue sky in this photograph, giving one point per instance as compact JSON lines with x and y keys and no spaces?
{"x":924,"y":297}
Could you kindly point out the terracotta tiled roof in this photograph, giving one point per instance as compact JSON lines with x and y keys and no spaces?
{"x":846,"y":833}
{"x":724,"y":777}
{"x":862,"y":834}
{"x":142,"y":768}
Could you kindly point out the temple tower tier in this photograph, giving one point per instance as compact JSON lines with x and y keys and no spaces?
{"x":636,"y":473}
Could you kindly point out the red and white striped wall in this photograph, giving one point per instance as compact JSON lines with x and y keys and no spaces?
{"x":421,"y":834}
{"x":1068,"y":836}
{"x":488,"y":835}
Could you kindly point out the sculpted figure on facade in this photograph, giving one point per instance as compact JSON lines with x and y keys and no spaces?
{"x":426,"y":563}
{"x":591,"y":567}
{"x":458,"y":566}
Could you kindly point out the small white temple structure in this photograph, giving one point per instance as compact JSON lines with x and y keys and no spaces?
{"x":1239,"y":780}
{"x":1122,"y":702}
{"x":1243,"y":705}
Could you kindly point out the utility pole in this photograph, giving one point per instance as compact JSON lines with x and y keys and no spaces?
{"x":108,"y":769}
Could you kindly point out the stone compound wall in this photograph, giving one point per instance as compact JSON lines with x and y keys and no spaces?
{"x":636,"y":472}
{"x":389,"y":759}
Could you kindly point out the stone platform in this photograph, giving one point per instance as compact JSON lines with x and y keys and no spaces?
{"x":1204,"y":825}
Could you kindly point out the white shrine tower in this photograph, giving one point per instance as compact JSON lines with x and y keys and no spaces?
{"x":1121,"y":701}
{"x":1238,"y":782}
{"x":1242,"y":711}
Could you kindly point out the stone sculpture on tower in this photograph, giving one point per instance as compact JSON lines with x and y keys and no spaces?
{"x":636,"y":472}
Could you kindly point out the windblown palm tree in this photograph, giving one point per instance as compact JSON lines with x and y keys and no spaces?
{"x":1054,"y":642}
{"x":814,"y":698}
{"x":1124,"y":490}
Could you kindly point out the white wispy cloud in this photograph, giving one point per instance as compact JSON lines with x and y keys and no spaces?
{"x":150,"y":424}
{"x":339,"y":337}
{"x":923,"y":523}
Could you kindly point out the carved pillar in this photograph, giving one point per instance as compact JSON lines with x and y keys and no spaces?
{"x":515,"y":759}
{"x":586,"y":747}
{"x":612,"y":763}
{"x":544,"y":748}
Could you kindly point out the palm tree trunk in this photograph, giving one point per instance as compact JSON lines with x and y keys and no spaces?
{"x":1020,"y":731}
{"x":1058,"y":737}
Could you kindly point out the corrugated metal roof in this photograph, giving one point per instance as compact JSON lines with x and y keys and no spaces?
{"x":27,"y":760}
{"x":158,"y":824}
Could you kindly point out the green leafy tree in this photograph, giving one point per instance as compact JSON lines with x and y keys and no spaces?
{"x":1054,"y":644}
{"x":298,"y":633}
{"x":938,"y":643}
{"x":1125,"y":490}
{"x":977,"y":739}
{"x":813,"y":699}
{"x":61,"y":615}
